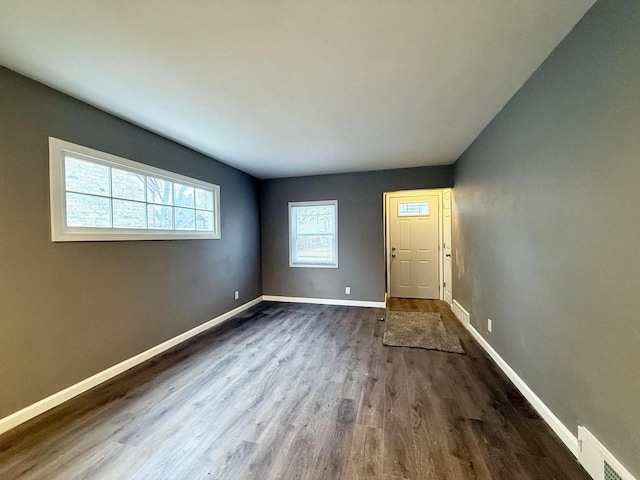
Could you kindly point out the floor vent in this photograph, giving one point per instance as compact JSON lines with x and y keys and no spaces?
{"x":597,"y":460}
{"x":610,"y":473}
{"x":460,"y":313}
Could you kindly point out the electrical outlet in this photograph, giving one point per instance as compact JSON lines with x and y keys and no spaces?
{"x":237,"y":295}
{"x":347,"y":290}
{"x":489,"y":326}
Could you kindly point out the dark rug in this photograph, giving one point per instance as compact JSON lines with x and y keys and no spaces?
{"x":419,"y":330}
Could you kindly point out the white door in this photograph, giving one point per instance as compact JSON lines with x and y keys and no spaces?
{"x":413,"y":242}
{"x":446,"y":240}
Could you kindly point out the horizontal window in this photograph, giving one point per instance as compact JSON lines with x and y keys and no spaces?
{"x":98,"y":196}
{"x":313,"y":234}
{"x":416,"y":209}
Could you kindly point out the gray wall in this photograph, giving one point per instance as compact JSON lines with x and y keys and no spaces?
{"x":69,"y":310}
{"x":547,"y":228}
{"x":360,"y":230}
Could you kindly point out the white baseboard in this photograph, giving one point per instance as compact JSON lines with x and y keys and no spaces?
{"x":568,"y":438}
{"x":593,"y":455}
{"x":324,"y":301}
{"x":27,"y":413}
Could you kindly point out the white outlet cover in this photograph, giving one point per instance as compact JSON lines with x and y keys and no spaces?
{"x":489,"y":324}
{"x":237,"y":294}
{"x":347,"y":290}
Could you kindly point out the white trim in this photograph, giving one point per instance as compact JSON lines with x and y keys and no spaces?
{"x":568,"y":438}
{"x":27,"y":413}
{"x":443,"y":249}
{"x":585,"y":447}
{"x":593,"y":454}
{"x":292,"y":235}
{"x":60,"y":232}
{"x":589,"y":451}
{"x":324,"y":301}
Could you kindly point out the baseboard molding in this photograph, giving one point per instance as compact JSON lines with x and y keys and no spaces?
{"x":568,"y":438}
{"x":593,"y":452}
{"x":594,"y":456}
{"x":324,"y":301}
{"x":68,"y":393}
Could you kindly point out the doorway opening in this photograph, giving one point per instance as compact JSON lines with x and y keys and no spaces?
{"x":418,"y":244}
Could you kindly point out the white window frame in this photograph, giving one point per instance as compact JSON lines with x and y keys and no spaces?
{"x":292,"y":235}
{"x":60,"y":232}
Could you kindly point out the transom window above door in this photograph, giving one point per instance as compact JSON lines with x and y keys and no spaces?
{"x":407,"y":209}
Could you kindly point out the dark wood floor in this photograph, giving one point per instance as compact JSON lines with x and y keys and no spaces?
{"x":295,"y":392}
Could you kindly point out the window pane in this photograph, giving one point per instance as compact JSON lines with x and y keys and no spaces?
{"x":127,"y":185}
{"x":314,"y":219}
{"x":88,"y":211}
{"x":413,"y":209}
{"x":185,"y":219}
{"x":204,"y":220}
{"x":98,"y":196}
{"x":159,"y":191}
{"x":86,"y":177}
{"x":183,"y":196}
{"x":159,"y":217}
{"x":129,"y":214}
{"x":314,"y":234}
{"x":314,"y":249}
{"x":204,"y":199}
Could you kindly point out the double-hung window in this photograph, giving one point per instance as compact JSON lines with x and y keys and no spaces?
{"x":313,"y":234}
{"x":98,"y":196}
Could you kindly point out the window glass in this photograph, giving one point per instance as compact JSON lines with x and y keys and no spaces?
{"x":159,"y":217}
{"x":313,"y":234}
{"x":185,"y":219}
{"x":86,"y":177}
{"x":413,"y":209}
{"x":98,"y":196}
{"x":204,"y":199}
{"x":128,"y":214}
{"x":184,"y":196}
{"x":127,"y":185}
{"x":88,"y":211}
{"x":204,"y":220}
{"x":159,"y":191}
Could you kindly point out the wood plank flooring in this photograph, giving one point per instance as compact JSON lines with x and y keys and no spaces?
{"x":289,"y":391}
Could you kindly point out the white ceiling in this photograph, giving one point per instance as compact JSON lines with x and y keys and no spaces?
{"x":293,"y":87}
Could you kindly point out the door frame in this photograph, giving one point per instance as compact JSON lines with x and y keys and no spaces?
{"x":386,"y":231}
{"x":449,"y":192}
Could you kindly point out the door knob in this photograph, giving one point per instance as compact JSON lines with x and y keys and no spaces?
{"x":448,"y":255}
{"x":393,"y":255}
